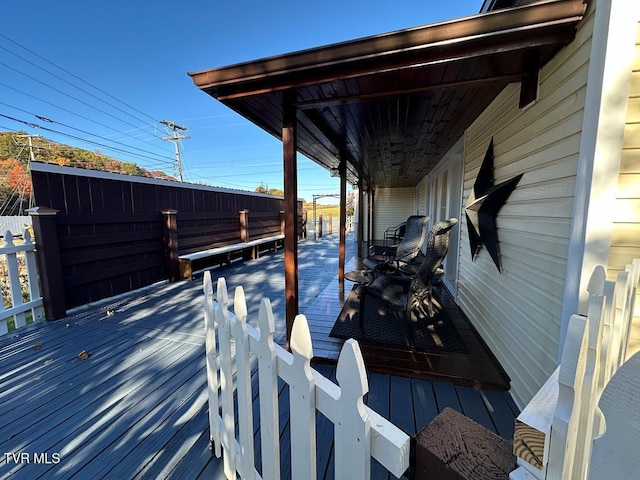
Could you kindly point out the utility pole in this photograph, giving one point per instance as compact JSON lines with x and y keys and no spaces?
{"x":32,"y":157}
{"x":175,"y":139}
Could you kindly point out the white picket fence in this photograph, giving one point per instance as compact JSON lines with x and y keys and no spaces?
{"x":584,"y":423}
{"x":360,"y":433}
{"x":13,"y":259}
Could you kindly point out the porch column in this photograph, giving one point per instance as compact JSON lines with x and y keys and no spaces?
{"x":601,"y":143}
{"x":289,"y":131}
{"x":170,"y":237}
{"x":244,"y":225}
{"x":343,"y":221}
{"x":360,"y":232}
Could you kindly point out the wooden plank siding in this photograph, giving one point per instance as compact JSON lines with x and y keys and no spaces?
{"x":518,"y":312}
{"x":625,"y":237}
{"x":392,"y":206}
{"x":421,"y":196}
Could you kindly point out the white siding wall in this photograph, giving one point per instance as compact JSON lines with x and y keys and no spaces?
{"x":625,"y":238}
{"x":421,"y":195}
{"x":518,"y":312}
{"x":392,"y":206}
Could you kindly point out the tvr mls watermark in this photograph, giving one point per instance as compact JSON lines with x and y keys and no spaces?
{"x":35,"y":458}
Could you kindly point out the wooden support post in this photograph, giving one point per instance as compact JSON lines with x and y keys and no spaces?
{"x":320,"y":225}
{"x":343,"y":221}
{"x":48,"y":258}
{"x":330,"y":224}
{"x":289,"y":133}
{"x":170,"y":237}
{"x":244,"y":226}
{"x":360,"y":232}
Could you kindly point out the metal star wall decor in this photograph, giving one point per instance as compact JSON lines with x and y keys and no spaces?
{"x":485,"y":201}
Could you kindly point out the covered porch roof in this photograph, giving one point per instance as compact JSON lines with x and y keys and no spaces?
{"x":392,"y":105}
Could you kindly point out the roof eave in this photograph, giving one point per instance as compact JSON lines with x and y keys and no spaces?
{"x":438,"y":41}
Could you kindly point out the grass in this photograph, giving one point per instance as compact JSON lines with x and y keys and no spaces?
{"x":326,"y":210}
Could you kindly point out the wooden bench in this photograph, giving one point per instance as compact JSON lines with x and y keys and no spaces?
{"x":186,"y":261}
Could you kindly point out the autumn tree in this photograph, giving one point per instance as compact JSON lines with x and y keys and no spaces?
{"x":263,"y":188}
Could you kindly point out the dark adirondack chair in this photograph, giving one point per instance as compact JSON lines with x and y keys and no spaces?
{"x":383,"y":257}
{"x":394,"y":235}
{"x":405,"y":292}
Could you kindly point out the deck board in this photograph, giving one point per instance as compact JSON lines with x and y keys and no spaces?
{"x":472,"y":406}
{"x":136,"y":408}
{"x":424,"y":402}
{"x":51,"y":419}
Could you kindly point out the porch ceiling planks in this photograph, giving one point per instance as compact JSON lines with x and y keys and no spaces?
{"x":394,"y":103}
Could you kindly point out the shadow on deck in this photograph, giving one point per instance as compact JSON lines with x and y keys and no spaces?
{"x":135,"y":405}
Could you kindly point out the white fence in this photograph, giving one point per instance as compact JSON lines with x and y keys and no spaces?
{"x":360,"y":433}
{"x":18,"y":272}
{"x":592,"y":395}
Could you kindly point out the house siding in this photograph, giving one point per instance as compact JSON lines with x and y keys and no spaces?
{"x":392,"y":206}
{"x":518,"y":312}
{"x":421,"y":194}
{"x":625,"y":238}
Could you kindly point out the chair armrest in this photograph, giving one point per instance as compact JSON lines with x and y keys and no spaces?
{"x":381,"y":251}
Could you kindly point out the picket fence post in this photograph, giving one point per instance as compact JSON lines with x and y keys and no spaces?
{"x":302,"y":402}
{"x":353,"y":429}
{"x":226,"y":380}
{"x":213,"y":385}
{"x":18,"y":308}
{"x":359,"y":432}
{"x":14,"y":280}
{"x":563,"y":436}
{"x":268,"y":387}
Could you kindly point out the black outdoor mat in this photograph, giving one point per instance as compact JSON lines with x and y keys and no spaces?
{"x":384,"y":324}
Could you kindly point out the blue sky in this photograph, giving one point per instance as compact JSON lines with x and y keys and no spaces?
{"x":138,"y":53}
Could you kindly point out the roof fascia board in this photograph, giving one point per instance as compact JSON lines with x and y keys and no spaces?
{"x":386,"y":45}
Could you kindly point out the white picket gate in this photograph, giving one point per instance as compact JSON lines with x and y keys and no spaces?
{"x":360,"y":433}
{"x":11,"y":266}
{"x":593,"y":394}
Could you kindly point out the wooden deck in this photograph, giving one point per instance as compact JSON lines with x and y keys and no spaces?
{"x":136,"y":407}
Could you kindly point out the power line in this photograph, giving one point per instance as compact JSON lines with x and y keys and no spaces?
{"x":72,"y":97}
{"x":63,"y":109}
{"x":78,"y":78}
{"x":48,"y":120}
{"x":71,"y":84}
{"x":137,"y":128}
{"x":91,"y":142}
